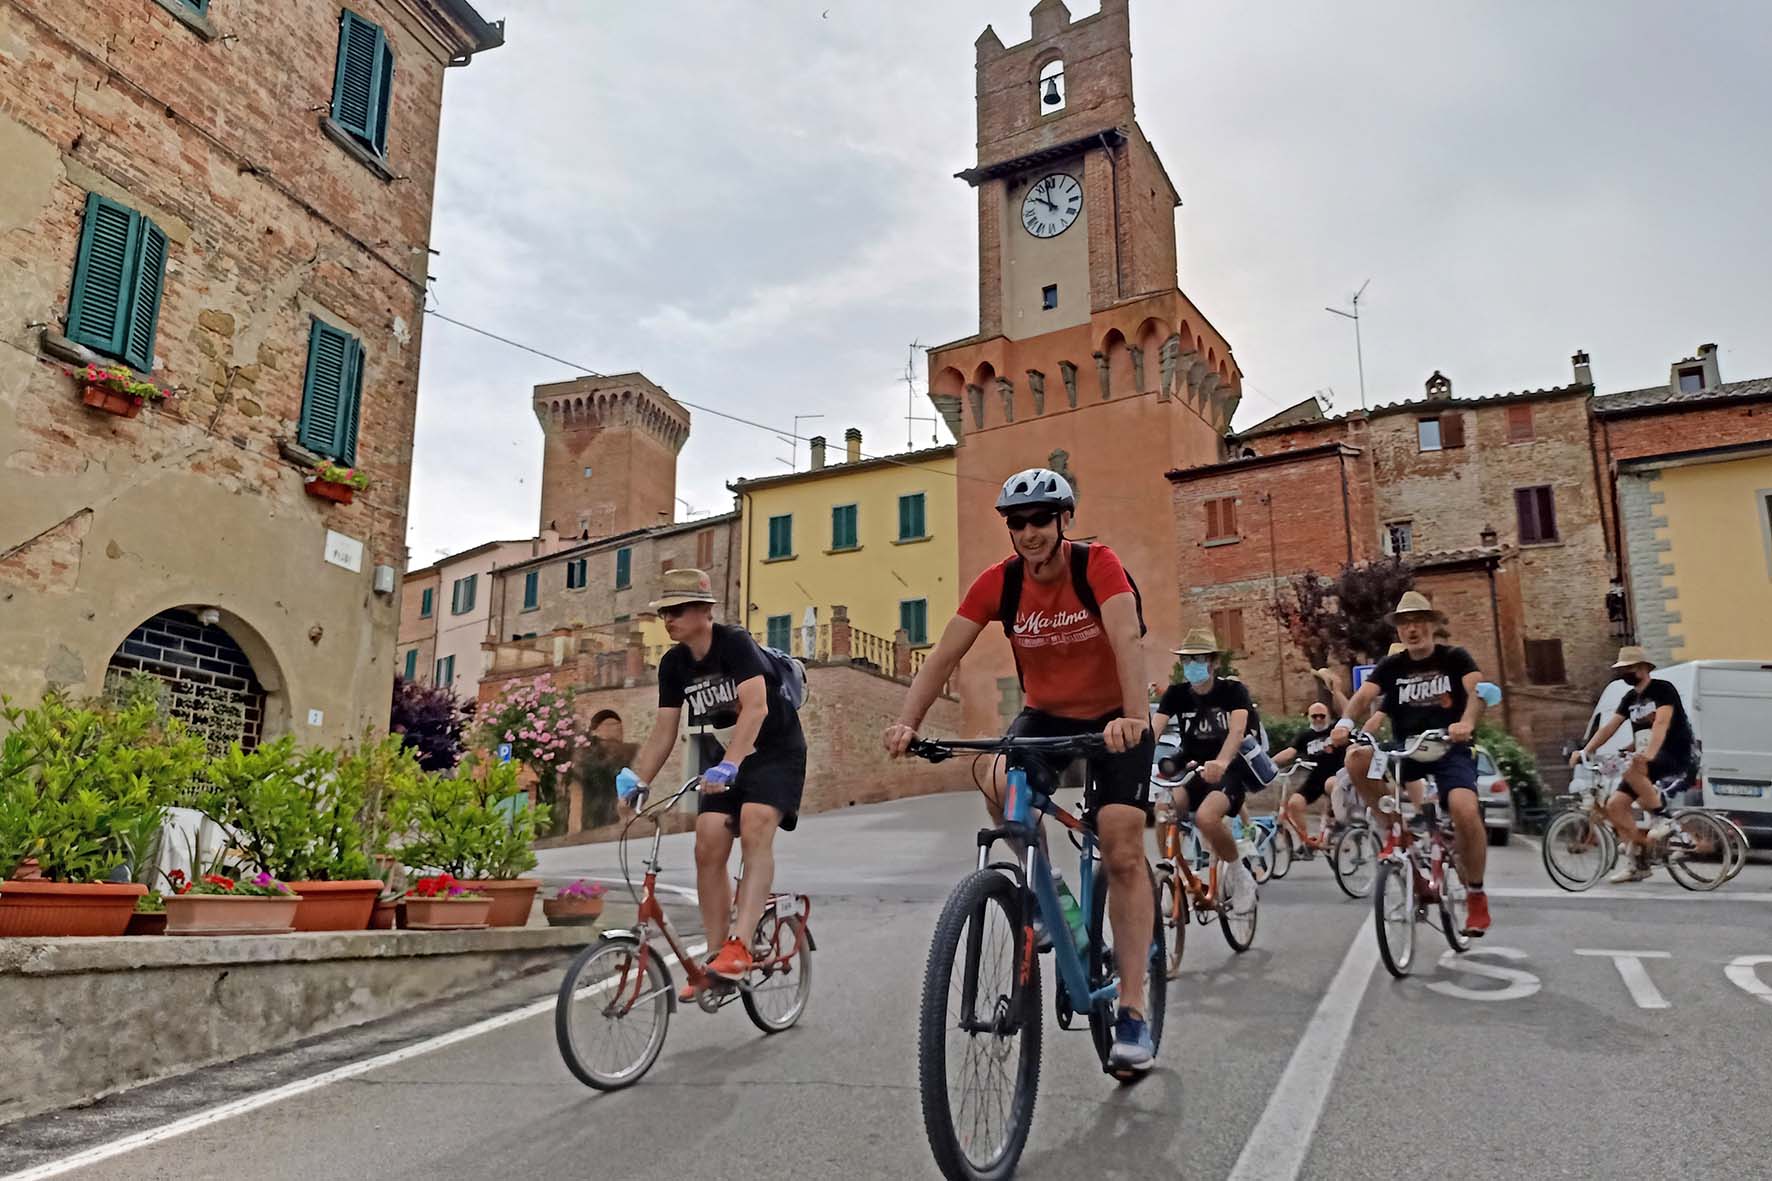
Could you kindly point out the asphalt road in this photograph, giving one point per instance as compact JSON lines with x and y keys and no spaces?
{"x":1533,"y":1057}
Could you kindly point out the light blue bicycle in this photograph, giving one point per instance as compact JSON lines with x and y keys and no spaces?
{"x":979,"y":1035}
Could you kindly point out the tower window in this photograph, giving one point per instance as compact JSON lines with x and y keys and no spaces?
{"x":1051,"y":88}
{"x":1049,"y":296}
{"x":587,"y":473}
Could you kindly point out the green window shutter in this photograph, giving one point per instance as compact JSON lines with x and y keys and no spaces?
{"x":104,"y":278}
{"x":781,"y":536}
{"x":913,"y":617}
{"x":624,"y":562}
{"x":384,"y":94}
{"x":843,"y":534}
{"x":473,"y":581}
{"x":910,"y":517}
{"x":781,"y":629}
{"x":328,"y":423}
{"x":424,"y":603}
{"x":411,"y":663}
{"x":357,"y":86}
{"x":144,"y":303}
{"x":531,"y":588}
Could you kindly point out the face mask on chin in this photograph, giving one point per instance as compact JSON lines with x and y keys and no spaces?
{"x":1319,"y":724}
{"x":1196,"y":671}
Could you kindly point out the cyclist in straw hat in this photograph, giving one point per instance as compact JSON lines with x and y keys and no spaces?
{"x":1428,"y":686}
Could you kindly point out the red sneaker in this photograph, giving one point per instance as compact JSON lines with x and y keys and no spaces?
{"x":733,"y":961}
{"x":1476,"y":920}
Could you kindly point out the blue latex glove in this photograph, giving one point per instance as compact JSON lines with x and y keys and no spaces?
{"x":720,"y":775}
{"x":1489,"y":692}
{"x":628,"y":785}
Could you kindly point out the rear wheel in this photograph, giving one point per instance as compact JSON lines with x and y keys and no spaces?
{"x":1353,"y":857}
{"x":1393,"y":910}
{"x":1699,"y":852}
{"x":1577,"y":851}
{"x":1239,"y":929}
{"x":978,"y":1037}
{"x":776,"y":992}
{"x":1284,"y":850}
{"x":1454,"y":908}
{"x":612,"y":1012}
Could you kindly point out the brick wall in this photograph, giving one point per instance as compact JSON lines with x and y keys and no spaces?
{"x":627,"y":432}
{"x":1097,"y":55}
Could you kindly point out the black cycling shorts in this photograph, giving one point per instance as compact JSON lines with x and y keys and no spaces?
{"x":777,"y":777}
{"x":1236,"y":785}
{"x":1670,"y":777}
{"x":1124,"y":778}
{"x":1312,"y":791}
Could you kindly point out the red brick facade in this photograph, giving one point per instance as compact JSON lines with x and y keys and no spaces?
{"x":609,"y":460}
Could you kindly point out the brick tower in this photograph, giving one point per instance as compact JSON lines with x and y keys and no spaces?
{"x":1087,"y":355}
{"x":609,"y":463}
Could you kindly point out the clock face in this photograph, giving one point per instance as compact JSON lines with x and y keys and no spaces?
{"x":1051,"y":205}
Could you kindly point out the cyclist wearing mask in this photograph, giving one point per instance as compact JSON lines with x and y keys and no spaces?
{"x":1072,"y":619}
{"x":1315,"y":746}
{"x":1214,"y":714}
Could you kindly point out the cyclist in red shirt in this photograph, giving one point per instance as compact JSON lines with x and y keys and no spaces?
{"x":1075,"y":631}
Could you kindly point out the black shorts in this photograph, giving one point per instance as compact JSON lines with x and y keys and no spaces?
{"x":1456,"y":771}
{"x":1312,"y":791}
{"x":776,"y":777}
{"x":1124,"y":778}
{"x":1237,"y":783}
{"x":1671,"y":776}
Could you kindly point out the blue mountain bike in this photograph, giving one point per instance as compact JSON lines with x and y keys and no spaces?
{"x":979,"y":1034}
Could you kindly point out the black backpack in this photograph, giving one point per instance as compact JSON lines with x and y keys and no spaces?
{"x":1016,"y":570}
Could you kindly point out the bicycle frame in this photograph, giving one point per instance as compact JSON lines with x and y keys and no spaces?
{"x":1202,"y":894}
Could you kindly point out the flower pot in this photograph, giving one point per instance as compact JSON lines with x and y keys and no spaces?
{"x":512,"y":899}
{"x":147,"y":923}
{"x":446,"y":914}
{"x":110,"y":402}
{"x":572,"y":912}
{"x":328,"y":490}
{"x":385,"y":916}
{"x":230,"y":914}
{"x":335,"y":906}
{"x":38,"y":907}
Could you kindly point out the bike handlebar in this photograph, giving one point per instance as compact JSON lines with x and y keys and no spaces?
{"x":938,"y":749}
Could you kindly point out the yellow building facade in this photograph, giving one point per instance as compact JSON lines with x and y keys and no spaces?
{"x":1701,"y":553}
{"x":876,"y":536}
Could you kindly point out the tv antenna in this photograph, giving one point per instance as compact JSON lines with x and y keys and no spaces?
{"x":1359,"y":353}
{"x":911,"y":417}
{"x":794,"y":443}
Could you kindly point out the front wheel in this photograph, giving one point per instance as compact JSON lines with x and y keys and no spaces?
{"x":1577,"y":851}
{"x":1352,"y":859}
{"x":1454,"y":908}
{"x":1239,"y":929}
{"x":1393,"y":911}
{"x":775,"y":992}
{"x":1284,"y":849}
{"x":1173,"y":910}
{"x":613,"y":1009}
{"x":978,"y":1036}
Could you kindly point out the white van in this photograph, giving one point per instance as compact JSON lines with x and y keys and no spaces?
{"x":1730,"y":705}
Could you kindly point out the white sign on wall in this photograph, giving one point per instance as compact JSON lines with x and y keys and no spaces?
{"x":345,"y":551}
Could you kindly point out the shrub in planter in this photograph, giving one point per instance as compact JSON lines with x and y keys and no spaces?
{"x":216,"y":904}
{"x":76,"y":782}
{"x":476,"y":825}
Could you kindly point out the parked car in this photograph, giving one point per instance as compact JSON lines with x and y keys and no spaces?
{"x":1497,"y":797}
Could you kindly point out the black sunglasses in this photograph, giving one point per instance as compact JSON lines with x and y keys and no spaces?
{"x":1039,"y":519}
{"x":673,"y":611}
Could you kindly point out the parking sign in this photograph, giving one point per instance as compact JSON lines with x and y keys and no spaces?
{"x":1361,"y":672}
{"x":504,"y":752}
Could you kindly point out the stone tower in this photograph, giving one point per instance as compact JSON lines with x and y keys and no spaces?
{"x":609,"y":463}
{"x":1086,"y":344}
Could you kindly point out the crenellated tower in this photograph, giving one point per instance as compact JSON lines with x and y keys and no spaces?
{"x":609,"y":462}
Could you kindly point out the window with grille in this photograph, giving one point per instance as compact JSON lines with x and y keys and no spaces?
{"x":1544,"y":662}
{"x":205,"y":679}
{"x":1537,"y":510}
{"x":1221,"y":519}
{"x":1519,"y":424}
{"x":1227,"y":625}
{"x":1399,"y":537}
{"x":780,"y":632}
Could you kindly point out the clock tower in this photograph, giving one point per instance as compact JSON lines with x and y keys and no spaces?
{"x":1086,"y":346}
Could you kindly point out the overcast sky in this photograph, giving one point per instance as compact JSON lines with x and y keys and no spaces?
{"x":754,"y":205}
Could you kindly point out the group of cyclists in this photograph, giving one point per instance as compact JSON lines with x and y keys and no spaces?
{"x":1074,"y":623}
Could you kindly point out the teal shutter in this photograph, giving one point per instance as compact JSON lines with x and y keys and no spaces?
{"x":913,"y":617}
{"x":531,"y":587}
{"x":624,"y":562}
{"x":144,"y":304}
{"x":781,"y":536}
{"x":424,"y":604}
{"x":358,"y":90}
{"x":384,"y":94}
{"x":910,"y":517}
{"x":104,"y":279}
{"x":843,"y":533}
{"x":328,"y":424}
{"x":411,"y":663}
{"x":473,"y":584}
{"x":780,"y":632}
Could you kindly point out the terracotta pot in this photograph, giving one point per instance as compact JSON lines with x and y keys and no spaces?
{"x":512,"y":899}
{"x":385,"y":915}
{"x":335,"y":906}
{"x":38,"y":907}
{"x":446,"y":914}
{"x":147,"y":924}
{"x":229,"y":914}
{"x":121,"y":405}
{"x":572,"y":912}
{"x":328,"y":490}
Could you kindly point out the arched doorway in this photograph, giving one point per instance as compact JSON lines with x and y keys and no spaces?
{"x":210,"y":683}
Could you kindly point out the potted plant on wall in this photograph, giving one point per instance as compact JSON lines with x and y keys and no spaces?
{"x":74,"y":782}
{"x":116,"y":390}
{"x":576,"y":904}
{"x":331,"y":481}
{"x":442,"y":903}
{"x":475,"y":826}
{"x":297,"y":815}
{"x":217,"y":904}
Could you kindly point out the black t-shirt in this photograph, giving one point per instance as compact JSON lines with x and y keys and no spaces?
{"x":1313,"y":747}
{"x":1204,"y":720}
{"x":1640,"y":707}
{"x":707,"y":690}
{"x":1425,"y":694}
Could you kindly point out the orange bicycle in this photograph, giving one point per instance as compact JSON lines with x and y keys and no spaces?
{"x":618,"y":996}
{"x":1183,"y":896}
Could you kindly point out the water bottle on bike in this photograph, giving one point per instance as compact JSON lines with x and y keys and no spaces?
{"x":1073,"y":913}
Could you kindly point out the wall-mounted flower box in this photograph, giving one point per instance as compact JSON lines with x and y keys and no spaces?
{"x":116,"y":390}
{"x":338,"y":484}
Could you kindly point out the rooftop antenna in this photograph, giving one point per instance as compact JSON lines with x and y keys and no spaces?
{"x":1326,"y":398}
{"x":1359,"y":353}
{"x":795,"y":441}
{"x":911,"y":417}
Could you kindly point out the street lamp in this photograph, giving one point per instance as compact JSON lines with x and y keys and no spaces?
{"x":1359,"y":353}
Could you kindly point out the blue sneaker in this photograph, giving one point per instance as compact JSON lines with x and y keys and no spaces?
{"x":1132,"y":1043}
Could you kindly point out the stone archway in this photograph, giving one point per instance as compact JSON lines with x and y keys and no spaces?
{"x":211,"y":683}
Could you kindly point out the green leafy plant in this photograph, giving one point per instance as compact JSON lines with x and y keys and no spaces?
{"x":289,"y":812}
{"x":334,"y":473}
{"x":260,"y":885}
{"x":374,"y":774}
{"x":80,"y":783}
{"x":153,"y":902}
{"x":474,"y":825}
{"x":118,"y":380}
{"x":1517,"y":764}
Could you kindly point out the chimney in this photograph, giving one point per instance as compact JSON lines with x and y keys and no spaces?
{"x":1707,"y":356}
{"x":1439,"y":387}
{"x":817,"y":447}
{"x":1694,"y":374}
{"x":1584,"y":373}
{"x":1488,"y":536}
{"x":852,"y":444}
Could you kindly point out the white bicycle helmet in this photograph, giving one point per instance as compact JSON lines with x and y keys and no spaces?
{"x":1036,"y":487}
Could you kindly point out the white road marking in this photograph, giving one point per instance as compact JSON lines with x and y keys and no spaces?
{"x":253,"y":1102}
{"x":1741,"y":974}
{"x":1520,"y":984}
{"x":1281,"y":1138}
{"x":683,"y":892}
{"x":1642,"y":895}
{"x":1635,"y":976}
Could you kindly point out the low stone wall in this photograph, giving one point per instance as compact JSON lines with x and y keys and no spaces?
{"x":88,"y":1016}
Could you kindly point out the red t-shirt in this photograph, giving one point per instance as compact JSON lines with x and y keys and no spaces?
{"x":1067,"y":664}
